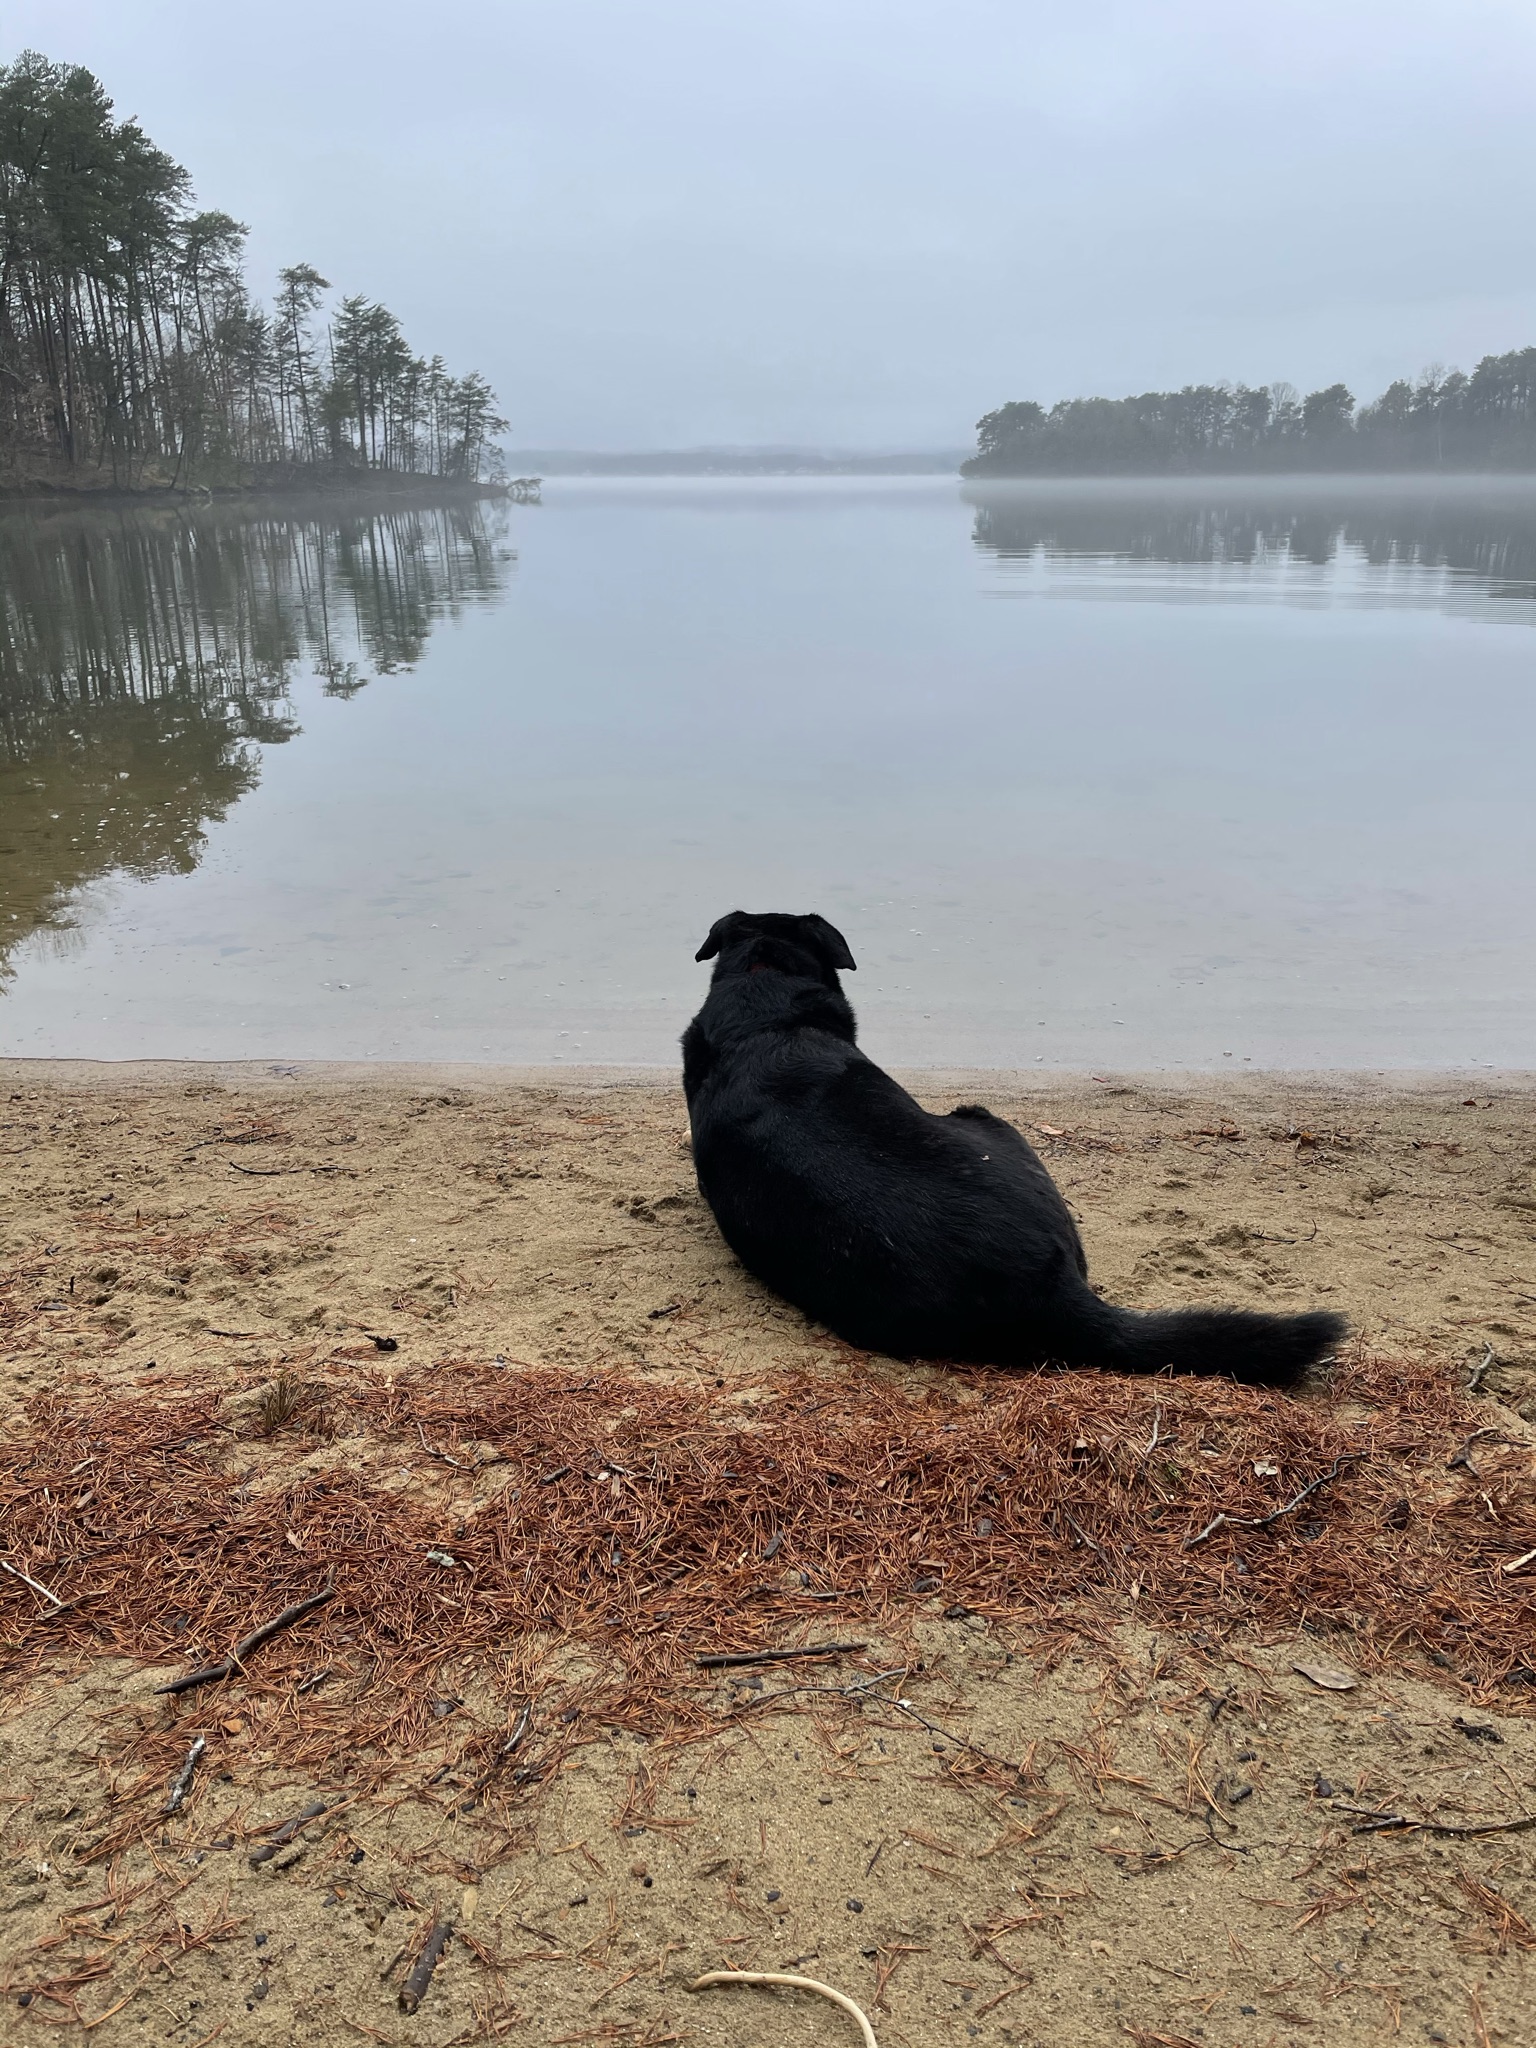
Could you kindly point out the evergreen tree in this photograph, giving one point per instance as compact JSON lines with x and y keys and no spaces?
{"x":130,"y":345}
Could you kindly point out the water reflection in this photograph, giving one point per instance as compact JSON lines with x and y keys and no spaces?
{"x":1255,"y":789}
{"x":146,"y":658}
{"x":1485,"y":532}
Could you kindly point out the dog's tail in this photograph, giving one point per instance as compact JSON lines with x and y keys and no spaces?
{"x":1239,"y":1343}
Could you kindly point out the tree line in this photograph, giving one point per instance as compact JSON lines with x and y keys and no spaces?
{"x":1443,"y":420}
{"x":132,"y":351}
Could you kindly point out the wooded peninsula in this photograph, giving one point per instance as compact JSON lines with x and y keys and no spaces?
{"x":134,"y":357}
{"x":1444,"y":420}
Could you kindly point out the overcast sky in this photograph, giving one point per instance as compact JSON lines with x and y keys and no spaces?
{"x":859,"y":223}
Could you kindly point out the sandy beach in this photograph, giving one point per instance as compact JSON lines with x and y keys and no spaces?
{"x":240,"y":1296}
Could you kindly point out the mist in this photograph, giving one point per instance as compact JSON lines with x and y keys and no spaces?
{"x":860,"y":226}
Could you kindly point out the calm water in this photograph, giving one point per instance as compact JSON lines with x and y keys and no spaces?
{"x":1143,"y":776}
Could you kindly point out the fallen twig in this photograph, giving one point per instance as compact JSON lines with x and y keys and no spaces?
{"x":723,"y":1663}
{"x":795,"y":1983}
{"x":934,"y":1728}
{"x":183,"y":1783}
{"x":1082,"y":1533}
{"x":226,"y":1666}
{"x":1480,"y":1371}
{"x":1375,"y":1822}
{"x":513,"y":1742}
{"x":1226,"y":1521}
{"x":414,"y":1989}
{"x":1463,"y":1457}
{"x":26,"y":1579}
{"x":281,"y":1835}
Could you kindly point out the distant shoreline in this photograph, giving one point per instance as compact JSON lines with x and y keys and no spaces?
{"x":38,"y":495}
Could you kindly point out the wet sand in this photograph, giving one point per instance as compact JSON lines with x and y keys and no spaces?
{"x":216,"y":1227}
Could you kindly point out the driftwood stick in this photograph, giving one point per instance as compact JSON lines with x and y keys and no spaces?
{"x":730,"y":1663}
{"x":1225,"y":1521}
{"x":183,"y":1782}
{"x":26,"y":1579}
{"x":796,"y":1984}
{"x":226,"y":1666}
{"x":414,"y":1989}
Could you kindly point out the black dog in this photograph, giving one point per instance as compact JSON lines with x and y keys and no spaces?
{"x":922,"y":1236}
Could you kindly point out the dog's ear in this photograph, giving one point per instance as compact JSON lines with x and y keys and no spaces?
{"x":719,"y":932}
{"x":832,"y":943}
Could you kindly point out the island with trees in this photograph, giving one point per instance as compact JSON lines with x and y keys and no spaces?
{"x":1443,"y":420}
{"x":134,"y":357}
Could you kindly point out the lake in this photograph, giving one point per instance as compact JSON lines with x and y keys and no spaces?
{"x":1134,"y":775}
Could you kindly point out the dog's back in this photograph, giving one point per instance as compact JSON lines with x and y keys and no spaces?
{"x":919,"y":1235}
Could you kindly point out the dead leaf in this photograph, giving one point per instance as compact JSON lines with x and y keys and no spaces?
{"x":1331,"y":1677}
{"x":1049,"y":1131}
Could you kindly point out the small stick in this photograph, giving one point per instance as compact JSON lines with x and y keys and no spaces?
{"x":513,"y":1742}
{"x":560,"y":1472}
{"x":237,"y":1656}
{"x":1082,"y":1533}
{"x":414,"y":1989}
{"x":285,"y":1833}
{"x":1464,"y":1456}
{"x":1518,"y":1564}
{"x":796,"y":1983}
{"x":775,"y":1656}
{"x":1480,"y":1371}
{"x":1373,"y":1822}
{"x":861,"y":1690}
{"x":1225,"y":1521}
{"x":26,"y":1579}
{"x":183,"y":1784}
{"x":934,"y":1728}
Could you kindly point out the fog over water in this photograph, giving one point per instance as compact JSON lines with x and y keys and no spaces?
{"x":1089,"y":774}
{"x":863,"y":224}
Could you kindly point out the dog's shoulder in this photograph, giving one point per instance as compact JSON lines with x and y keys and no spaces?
{"x":747,"y":1004}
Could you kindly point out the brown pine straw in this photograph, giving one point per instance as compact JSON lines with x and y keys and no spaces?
{"x":693,"y":1520}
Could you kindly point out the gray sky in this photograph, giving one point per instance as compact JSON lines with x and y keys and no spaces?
{"x":859,"y":222}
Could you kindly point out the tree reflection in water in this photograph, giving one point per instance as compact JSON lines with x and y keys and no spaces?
{"x":146,"y":658}
{"x":1486,"y":534}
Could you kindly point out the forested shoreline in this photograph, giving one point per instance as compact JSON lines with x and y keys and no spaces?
{"x":1443,"y":420}
{"x":134,"y":357}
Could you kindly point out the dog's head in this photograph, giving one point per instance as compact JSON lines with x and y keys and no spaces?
{"x":747,"y":941}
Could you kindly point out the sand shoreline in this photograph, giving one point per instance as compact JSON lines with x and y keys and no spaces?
{"x":470,"y":1208}
{"x":1171,"y":1863}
